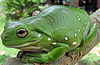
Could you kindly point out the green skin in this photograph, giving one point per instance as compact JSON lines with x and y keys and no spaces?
{"x":56,"y":30}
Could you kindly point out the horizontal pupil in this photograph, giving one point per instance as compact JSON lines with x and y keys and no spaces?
{"x":21,"y":32}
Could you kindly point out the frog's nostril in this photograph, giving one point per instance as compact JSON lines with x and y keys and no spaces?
{"x":6,"y":37}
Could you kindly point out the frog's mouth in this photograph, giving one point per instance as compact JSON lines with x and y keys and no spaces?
{"x":29,"y":43}
{"x":29,"y":46}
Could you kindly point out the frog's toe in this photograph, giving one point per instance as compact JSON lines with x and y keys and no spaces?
{"x":71,"y":53}
{"x":74,"y":51}
{"x":25,"y":59}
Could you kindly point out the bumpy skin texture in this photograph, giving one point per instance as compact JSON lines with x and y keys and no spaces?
{"x":50,"y":34}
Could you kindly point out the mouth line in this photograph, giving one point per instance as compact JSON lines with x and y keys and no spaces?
{"x":34,"y":49}
{"x":29,"y":43}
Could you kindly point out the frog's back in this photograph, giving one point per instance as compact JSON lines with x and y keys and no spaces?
{"x":68,"y":24}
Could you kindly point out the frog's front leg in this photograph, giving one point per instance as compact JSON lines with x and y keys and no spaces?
{"x":59,"y":50}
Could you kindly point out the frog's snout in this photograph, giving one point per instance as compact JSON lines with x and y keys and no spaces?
{"x":4,"y":37}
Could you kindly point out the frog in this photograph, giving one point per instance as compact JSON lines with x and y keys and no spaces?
{"x":50,"y":34}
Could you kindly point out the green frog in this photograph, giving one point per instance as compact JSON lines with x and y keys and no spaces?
{"x":50,"y":34}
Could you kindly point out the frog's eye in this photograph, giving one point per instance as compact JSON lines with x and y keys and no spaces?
{"x":21,"y":33}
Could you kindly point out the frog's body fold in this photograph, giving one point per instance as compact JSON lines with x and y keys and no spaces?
{"x":56,"y":30}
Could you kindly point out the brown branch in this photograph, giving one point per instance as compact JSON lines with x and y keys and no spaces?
{"x":67,"y":60}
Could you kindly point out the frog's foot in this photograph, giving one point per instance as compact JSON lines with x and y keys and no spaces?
{"x":74,"y":54}
{"x":71,"y":53}
{"x":36,"y":59}
{"x":74,"y":51}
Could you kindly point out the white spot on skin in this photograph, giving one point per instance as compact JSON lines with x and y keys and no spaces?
{"x":54,"y":43}
{"x":83,"y":28}
{"x":74,"y":43}
{"x":49,"y":38}
{"x":79,"y":30}
{"x":75,"y":34}
{"x":58,"y":16}
{"x":66,"y":38}
{"x":39,"y":35}
{"x":78,"y":18}
{"x":85,"y":22}
{"x":51,"y":20}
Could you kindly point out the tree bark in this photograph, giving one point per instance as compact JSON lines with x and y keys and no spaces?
{"x":68,"y":60}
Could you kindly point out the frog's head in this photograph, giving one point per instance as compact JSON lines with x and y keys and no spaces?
{"x":20,"y":36}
